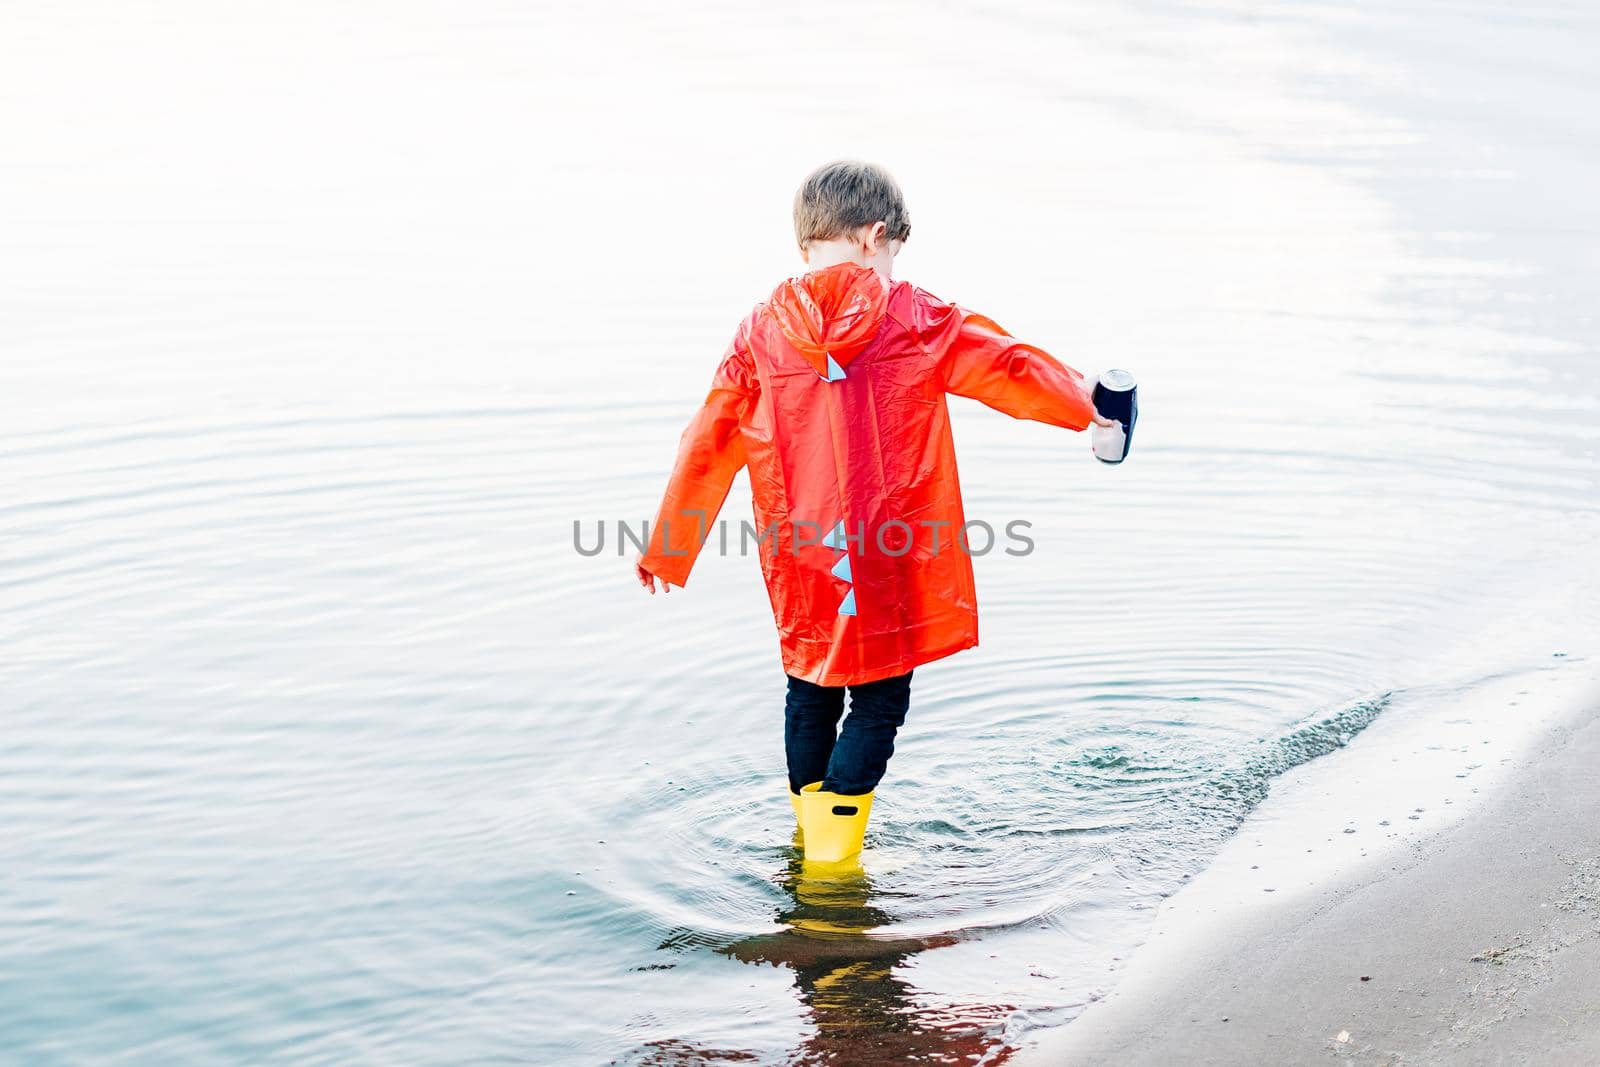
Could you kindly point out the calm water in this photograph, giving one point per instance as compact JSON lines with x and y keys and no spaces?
{"x":320,"y":327}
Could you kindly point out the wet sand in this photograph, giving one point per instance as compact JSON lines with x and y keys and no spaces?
{"x":1475,"y":944}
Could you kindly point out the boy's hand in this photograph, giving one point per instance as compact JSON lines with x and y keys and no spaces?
{"x":1095,"y":417}
{"x":647,"y":579}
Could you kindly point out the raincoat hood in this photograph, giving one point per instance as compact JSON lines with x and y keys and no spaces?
{"x":833,"y":312}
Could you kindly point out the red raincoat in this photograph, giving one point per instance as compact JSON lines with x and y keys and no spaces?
{"x":832,"y":393}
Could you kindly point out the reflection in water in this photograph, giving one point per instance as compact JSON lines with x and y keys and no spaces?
{"x":861,"y":1010}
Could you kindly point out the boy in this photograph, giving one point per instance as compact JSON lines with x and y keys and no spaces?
{"x":832,"y":393}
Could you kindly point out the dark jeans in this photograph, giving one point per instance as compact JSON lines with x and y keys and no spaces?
{"x":853,"y":762}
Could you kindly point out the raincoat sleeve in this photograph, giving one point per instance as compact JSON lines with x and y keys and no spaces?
{"x":980,"y":360}
{"x":710,"y":453}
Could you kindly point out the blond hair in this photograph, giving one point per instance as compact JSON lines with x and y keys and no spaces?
{"x":840,"y":197}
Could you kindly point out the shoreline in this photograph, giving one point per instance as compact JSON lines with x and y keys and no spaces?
{"x":1464,"y":931}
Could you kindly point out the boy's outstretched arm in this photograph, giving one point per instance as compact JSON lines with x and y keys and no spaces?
{"x":710,"y":453}
{"x":985,"y":363}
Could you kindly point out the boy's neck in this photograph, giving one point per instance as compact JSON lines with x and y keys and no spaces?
{"x":821,"y":255}
{"x":824,"y":254}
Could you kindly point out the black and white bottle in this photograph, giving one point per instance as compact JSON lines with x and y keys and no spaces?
{"x":1116,"y":396}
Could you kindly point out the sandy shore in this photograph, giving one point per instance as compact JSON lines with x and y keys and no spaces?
{"x":1476,"y":942}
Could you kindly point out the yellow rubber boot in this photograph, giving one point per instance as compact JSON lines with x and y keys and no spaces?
{"x":794,"y":800}
{"x":832,"y":824}
{"x":799,"y":832}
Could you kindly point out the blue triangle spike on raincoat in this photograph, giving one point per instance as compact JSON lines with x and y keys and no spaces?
{"x":835,"y":538}
{"x":841,"y":569}
{"x":848,"y":605}
{"x":835,"y":372}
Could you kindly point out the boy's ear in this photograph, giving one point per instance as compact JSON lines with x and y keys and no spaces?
{"x":876,"y":236}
